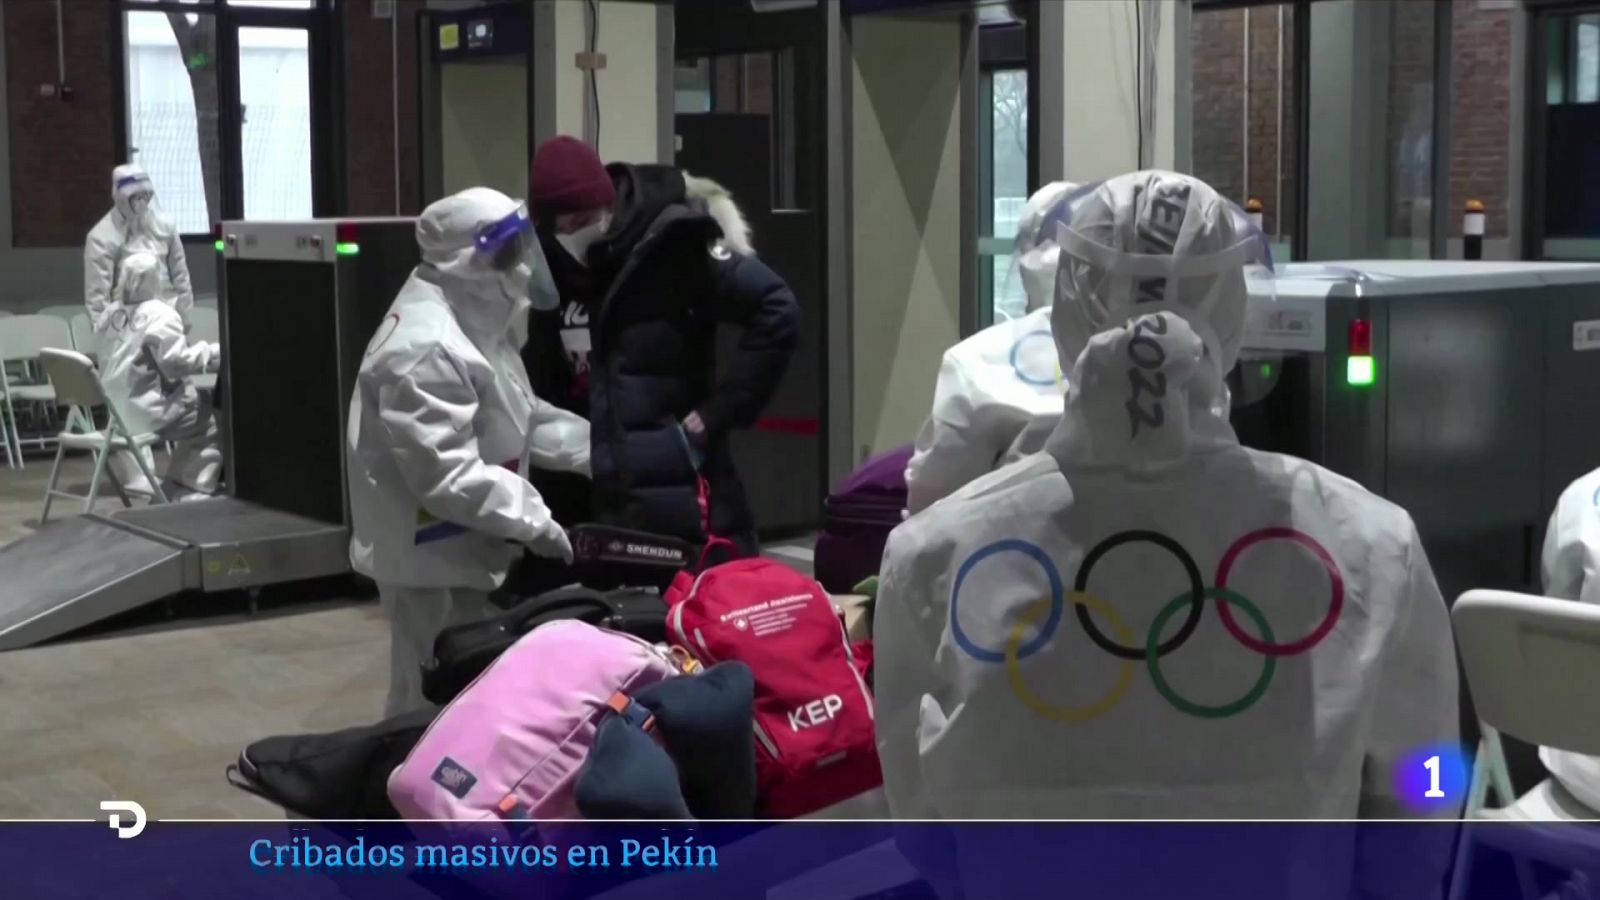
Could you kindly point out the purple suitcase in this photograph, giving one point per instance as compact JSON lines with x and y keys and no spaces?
{"x":857,"y":518}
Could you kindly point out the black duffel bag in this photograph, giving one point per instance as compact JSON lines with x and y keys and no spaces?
{"x":337,"y":775}
{"x":462,"y":652}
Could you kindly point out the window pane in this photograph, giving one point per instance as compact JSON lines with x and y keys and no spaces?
{"x":1555,"y":65}
{"x":275,"y":91}
{"x":1010,"y":301}
{"x":172,"y":72}
{"x":725,"y":72}
{"x":1587,"y":69}
{"x":274,"y":4}
{"x":691,"y":86}
{"x":1005,"y":183}
{"x":1010,"y":151}
{"x":1410,"y":141}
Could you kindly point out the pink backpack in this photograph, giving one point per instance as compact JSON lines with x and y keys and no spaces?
{"x":511,"y":744}
{"x":813,"y":710}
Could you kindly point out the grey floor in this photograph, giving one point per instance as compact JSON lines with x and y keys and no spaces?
{"x":156,"y":713}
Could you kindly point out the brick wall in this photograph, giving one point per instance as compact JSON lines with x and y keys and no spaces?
{"x":1217,"y":53}
{"x":1480,"y":138}
{"x":369,"y":110}
{"x":62,"y":152}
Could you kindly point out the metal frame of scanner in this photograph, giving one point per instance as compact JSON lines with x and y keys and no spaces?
{"x":298,"y":303}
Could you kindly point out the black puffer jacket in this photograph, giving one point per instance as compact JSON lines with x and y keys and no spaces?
{"x":674,"y":265}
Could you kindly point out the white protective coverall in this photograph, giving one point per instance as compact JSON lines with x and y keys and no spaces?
{"x":992,"y":385}
{"x":1572,"y":572}
{"x":442,"y":425}
{"x":146,"y":365}
{"x":133,"y":225}
{"x":1148,"y":620}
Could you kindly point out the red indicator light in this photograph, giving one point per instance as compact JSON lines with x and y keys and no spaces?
{"x":1360,"y":337}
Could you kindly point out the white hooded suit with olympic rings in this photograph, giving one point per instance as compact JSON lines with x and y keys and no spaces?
{"x":998,"y":393}
{"x":1148,"y":620}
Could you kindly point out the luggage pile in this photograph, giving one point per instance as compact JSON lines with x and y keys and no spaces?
{"x":737,"y":693}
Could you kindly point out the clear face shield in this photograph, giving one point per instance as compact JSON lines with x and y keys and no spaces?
{"x":1155,"y":242}
{"x":511,"y":250}
{"x":137,"y":194}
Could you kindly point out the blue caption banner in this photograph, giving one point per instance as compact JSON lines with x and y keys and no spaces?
{"x":790,"y":861}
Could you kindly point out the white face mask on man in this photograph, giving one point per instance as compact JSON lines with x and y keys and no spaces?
{"x":577,"y":243}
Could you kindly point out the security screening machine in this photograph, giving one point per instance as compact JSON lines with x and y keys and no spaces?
{"x":299,"y":302}
{"x":1462,"y":391}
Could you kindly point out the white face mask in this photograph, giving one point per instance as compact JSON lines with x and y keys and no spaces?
{"x":577,"y":243}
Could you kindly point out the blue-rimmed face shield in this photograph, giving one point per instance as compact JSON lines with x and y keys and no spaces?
{"x":136,"y":192}
{"x":505,"y":244}
{"x":511,"y":248}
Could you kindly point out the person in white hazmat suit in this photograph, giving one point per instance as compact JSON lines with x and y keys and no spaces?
{"x":1147,"y":619}
{"x":443,"y":427}
{"x":147,"y":365}
{"x":133,"y":225}
{"x":1571,"y":570}
{"x":998,"y":392}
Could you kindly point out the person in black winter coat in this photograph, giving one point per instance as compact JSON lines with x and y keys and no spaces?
{"x":649,"y":261}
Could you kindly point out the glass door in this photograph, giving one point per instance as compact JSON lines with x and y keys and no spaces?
{"x":274,"y":84}
{"x":1563,"y":162}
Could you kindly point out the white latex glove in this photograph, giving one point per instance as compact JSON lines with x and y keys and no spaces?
{"x":552,"y":542}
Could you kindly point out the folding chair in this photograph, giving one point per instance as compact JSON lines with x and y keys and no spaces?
{"x":83,"y":339}
{"x":21,"y":340}
{"x":78,"y":384}
{"x":1531,"y":664}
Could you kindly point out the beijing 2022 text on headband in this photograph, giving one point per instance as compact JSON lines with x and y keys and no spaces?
{"x":1087,"y":605}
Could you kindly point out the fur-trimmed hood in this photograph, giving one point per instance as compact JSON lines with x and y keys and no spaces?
{"x":718,"y":203}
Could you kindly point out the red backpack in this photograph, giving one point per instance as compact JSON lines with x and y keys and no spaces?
{"x":813,"y":710}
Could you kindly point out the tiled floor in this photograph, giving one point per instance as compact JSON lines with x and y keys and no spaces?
{"x":155,"y":712}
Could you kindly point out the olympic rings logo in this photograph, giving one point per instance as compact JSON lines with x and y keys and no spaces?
{"x":1028,"y":377}
{"x":1122,"y":645}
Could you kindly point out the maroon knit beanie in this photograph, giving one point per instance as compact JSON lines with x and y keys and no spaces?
{"x":568,"y":177}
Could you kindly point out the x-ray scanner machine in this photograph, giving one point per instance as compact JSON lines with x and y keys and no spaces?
{"x":1466,"y":392}
{"x":298,"y":301}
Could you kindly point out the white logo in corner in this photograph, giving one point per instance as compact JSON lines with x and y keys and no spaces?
{"x":720,"y":252}
{"x":115,"y":821}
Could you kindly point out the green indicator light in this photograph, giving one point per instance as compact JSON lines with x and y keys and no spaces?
{"x":219,"y":246}
{"x":347,"y":249}
{"x":1360,"y":371}
{"x":1266,"y":370}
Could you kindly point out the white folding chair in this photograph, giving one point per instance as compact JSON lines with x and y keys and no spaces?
{"x":1532,"y":664}
{"x":78,"y":385}
{"x":83,"y":339}
{"x":21,"y":340}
